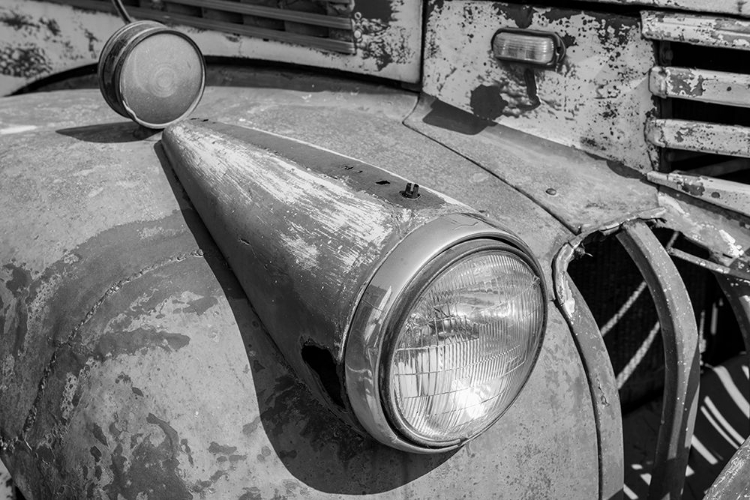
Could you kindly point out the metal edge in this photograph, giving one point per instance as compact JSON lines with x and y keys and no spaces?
{"x":681,"y":358}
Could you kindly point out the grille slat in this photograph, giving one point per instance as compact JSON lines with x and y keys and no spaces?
{"x":339,"y":24}
{"x":696,"y":30}
{"x":705,"y":89}
{"x":716,"y":87}
{"x":728,"y":140}
{"x":271,"y":13}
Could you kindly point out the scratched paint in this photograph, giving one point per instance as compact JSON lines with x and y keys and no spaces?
{"x":697,"y":30}
{"x":142,"y":422}
{"x":388,"y":36}
{"x":596,"y":100}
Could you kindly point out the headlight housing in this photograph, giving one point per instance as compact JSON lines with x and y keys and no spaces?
{"x":445,"y":335}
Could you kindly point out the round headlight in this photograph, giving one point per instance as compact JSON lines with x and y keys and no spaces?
{"x":466,"y":344}
{"x":446,"y":335}
{"x":152,"y":74}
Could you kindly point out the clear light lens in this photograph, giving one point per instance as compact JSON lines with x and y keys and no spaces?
{"x":524,"y":48}
{"x":466,"y":347}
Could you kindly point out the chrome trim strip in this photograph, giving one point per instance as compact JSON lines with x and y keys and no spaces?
{"x":364,"y":345}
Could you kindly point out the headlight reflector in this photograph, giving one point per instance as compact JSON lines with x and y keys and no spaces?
{"x":466,"y":346}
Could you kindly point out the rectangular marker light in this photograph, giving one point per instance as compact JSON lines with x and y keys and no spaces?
{"x":540,"y":49}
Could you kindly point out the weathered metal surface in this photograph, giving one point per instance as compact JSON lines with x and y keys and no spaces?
{"x":681,"y":358}
{"x":718,"y":269}
{"x":7,"y":489}
{"x":737,"y":291}
{"x":716,"y":87}
{"x":697,"y":30}
{"x":726,"y":194}
{"x":717,"y":6}
{"x":732,"y":483}
{"x":600,"y":374}
{"x":578,"y":188}
{"x":729,"y":140}
{"x":221,"y":20}
{"x":304,"y":230}
{"x":597,"y":99}
{"x":719,"y":231}
{"x":154,"y":394}
{"x":39,"y":39}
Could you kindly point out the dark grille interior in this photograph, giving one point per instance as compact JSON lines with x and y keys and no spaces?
{"x":608,"y":279}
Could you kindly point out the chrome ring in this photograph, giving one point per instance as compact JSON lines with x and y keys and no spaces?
{"x":364,"y":342}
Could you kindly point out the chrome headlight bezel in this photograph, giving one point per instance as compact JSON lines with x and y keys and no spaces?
{"x":368,"y":344}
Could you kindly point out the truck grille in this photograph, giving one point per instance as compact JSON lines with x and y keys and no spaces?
{"x":703,"y":86}
{"x":324,"y":25}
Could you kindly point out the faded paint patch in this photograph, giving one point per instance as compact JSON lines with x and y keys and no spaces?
{"x":150,"y":471}
{"x":17,"y":129}
{"x":114,"y":344}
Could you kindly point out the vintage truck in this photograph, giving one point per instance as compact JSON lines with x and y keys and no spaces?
{"x":400,"y":249}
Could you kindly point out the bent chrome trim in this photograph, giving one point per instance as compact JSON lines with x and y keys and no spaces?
{"x":365,"y":340}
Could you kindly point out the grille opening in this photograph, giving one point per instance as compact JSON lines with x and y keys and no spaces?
{"x":320,"y":24}
{"x":622,"y":307}
{"x":713,"y":58}
{"x":685,"y":55}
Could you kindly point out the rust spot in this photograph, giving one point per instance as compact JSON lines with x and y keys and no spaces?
{"x":696,"y":189}
{"x":23,"y":62}
{"x":99,"y":435}
{"x":199,"y":306}
{"x":187,"y":450}
{"x":151,"y":471}
{"x":521,"y":15}
{"x":251,"y":494}
{"x":17,"y":21}
{"x":487,"y":102}
{"x":248,"y":429}
{"x":118,"y":343}
{"x":215,"y":448}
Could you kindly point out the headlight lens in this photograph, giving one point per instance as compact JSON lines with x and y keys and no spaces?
{"x":465,"y":348}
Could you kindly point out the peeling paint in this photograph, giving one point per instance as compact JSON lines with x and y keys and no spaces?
{"x":698,"y":30}
{"x":729,"y":89}
{"x":596,"y":100}
{"x":730,"y":140}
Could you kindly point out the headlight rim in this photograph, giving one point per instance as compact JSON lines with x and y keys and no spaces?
{"x":420,"y":282}
{"x":363,"y":343}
